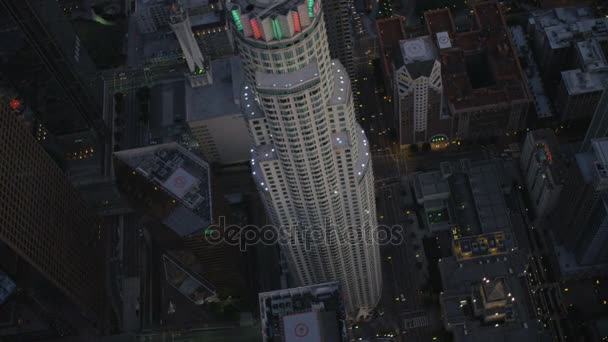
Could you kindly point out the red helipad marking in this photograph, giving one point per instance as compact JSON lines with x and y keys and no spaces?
{"x":179,"y":181}
{"x":301,"y":330}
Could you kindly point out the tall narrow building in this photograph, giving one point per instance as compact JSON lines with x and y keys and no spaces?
{"x":182,"y":27}
{"x":339,"y":20}
{"x":419,"y":89}
{"x":46,"y":225}
{"x":310,"y":159}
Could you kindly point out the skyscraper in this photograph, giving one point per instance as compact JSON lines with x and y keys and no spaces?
{"x":580,"y":214}
{"x":310,"y":160}
{"x":182,"y":27}
{"x":339,"y":16}
{"x":171,"y":189}
{"x":45,"y":223}
{"x":48,"y":65}
{"x":598,"y":128}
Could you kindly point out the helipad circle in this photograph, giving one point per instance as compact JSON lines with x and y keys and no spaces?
{"x":301,"y":330}
{"x":415,"y":48}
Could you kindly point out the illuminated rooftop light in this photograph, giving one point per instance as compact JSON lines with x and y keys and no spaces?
{"x":14,"y":104}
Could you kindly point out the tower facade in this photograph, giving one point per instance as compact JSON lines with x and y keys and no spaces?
{"x":45,"y":222}
{"x":420,"y":92}
{"x":340,"y":15}
{"x":199,"y":69}
{"x":48,"y":65}
{"x":310,"y":159}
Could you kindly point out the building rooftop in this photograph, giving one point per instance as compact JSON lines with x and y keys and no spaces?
{"x":418,"y":49}
{"x":477,"y":290}
{"x":182,"y":175}
{"x":535,"y":83}
{"x":188,"y":283}
{"x":418,"y":55}
{"x":475,"y":191}
{"x":431,"y":185}
{"x":480,"y":67}
{"x":579,"y":82}
{"x":303,"y":314}
{"x":287,"y":81}
{"x":549,"y":152}
{"x":220,"y":98}
{"x":167,"y":103}
{"x":483,"y":245}
{"x":249,"y":104}
{"x":489,"y":200}
{"x":591,"y":55}
{"x":562,"y":26}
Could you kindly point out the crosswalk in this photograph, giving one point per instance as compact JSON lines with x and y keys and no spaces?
{"x":416,"y":322}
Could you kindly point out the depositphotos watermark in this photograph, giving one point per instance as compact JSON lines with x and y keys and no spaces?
{"x":302,"y":235}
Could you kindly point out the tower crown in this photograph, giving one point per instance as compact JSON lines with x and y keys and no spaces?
{"x":272,"y":20}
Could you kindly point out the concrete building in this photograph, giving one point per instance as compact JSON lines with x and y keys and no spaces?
{"x":420,"y":93}
{"x":311,"y":313}
{"x":172,"y":190}
{"x":151,"y":15}
{"x":390,"y":32}
{"x":432,"y":191}
{"x":340,"y":17}
{"x":568,"y":45}
{"x":49,"y":67}
{"x":486,"y":89}
{"x":578,"y":215}
{"x":215,"y":118}
{"x":207,"y":19}
{"x":593,"y":247}
{"x":598,"y":128}
{"x":199,"y":72}
{"x":544,"y":172}
{"x":45,"y":226}
{"x":310,"y":159}
{"x":486,"y":299}
{"x":580,"y":89}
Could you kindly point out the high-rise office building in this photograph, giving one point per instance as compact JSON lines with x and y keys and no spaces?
{"x":598,"y":128}
{"x":420,"y":93}
{"x":310,"y":160}
{"x":578,"y":214}
{"x":45,"y":224}
{"x":49,"y":67}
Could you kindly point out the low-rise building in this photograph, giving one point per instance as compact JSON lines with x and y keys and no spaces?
{"x":485,"y":299}
{"x":304,"y":314}
{"x":486,"y":89}
{"x":466,"y":197}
